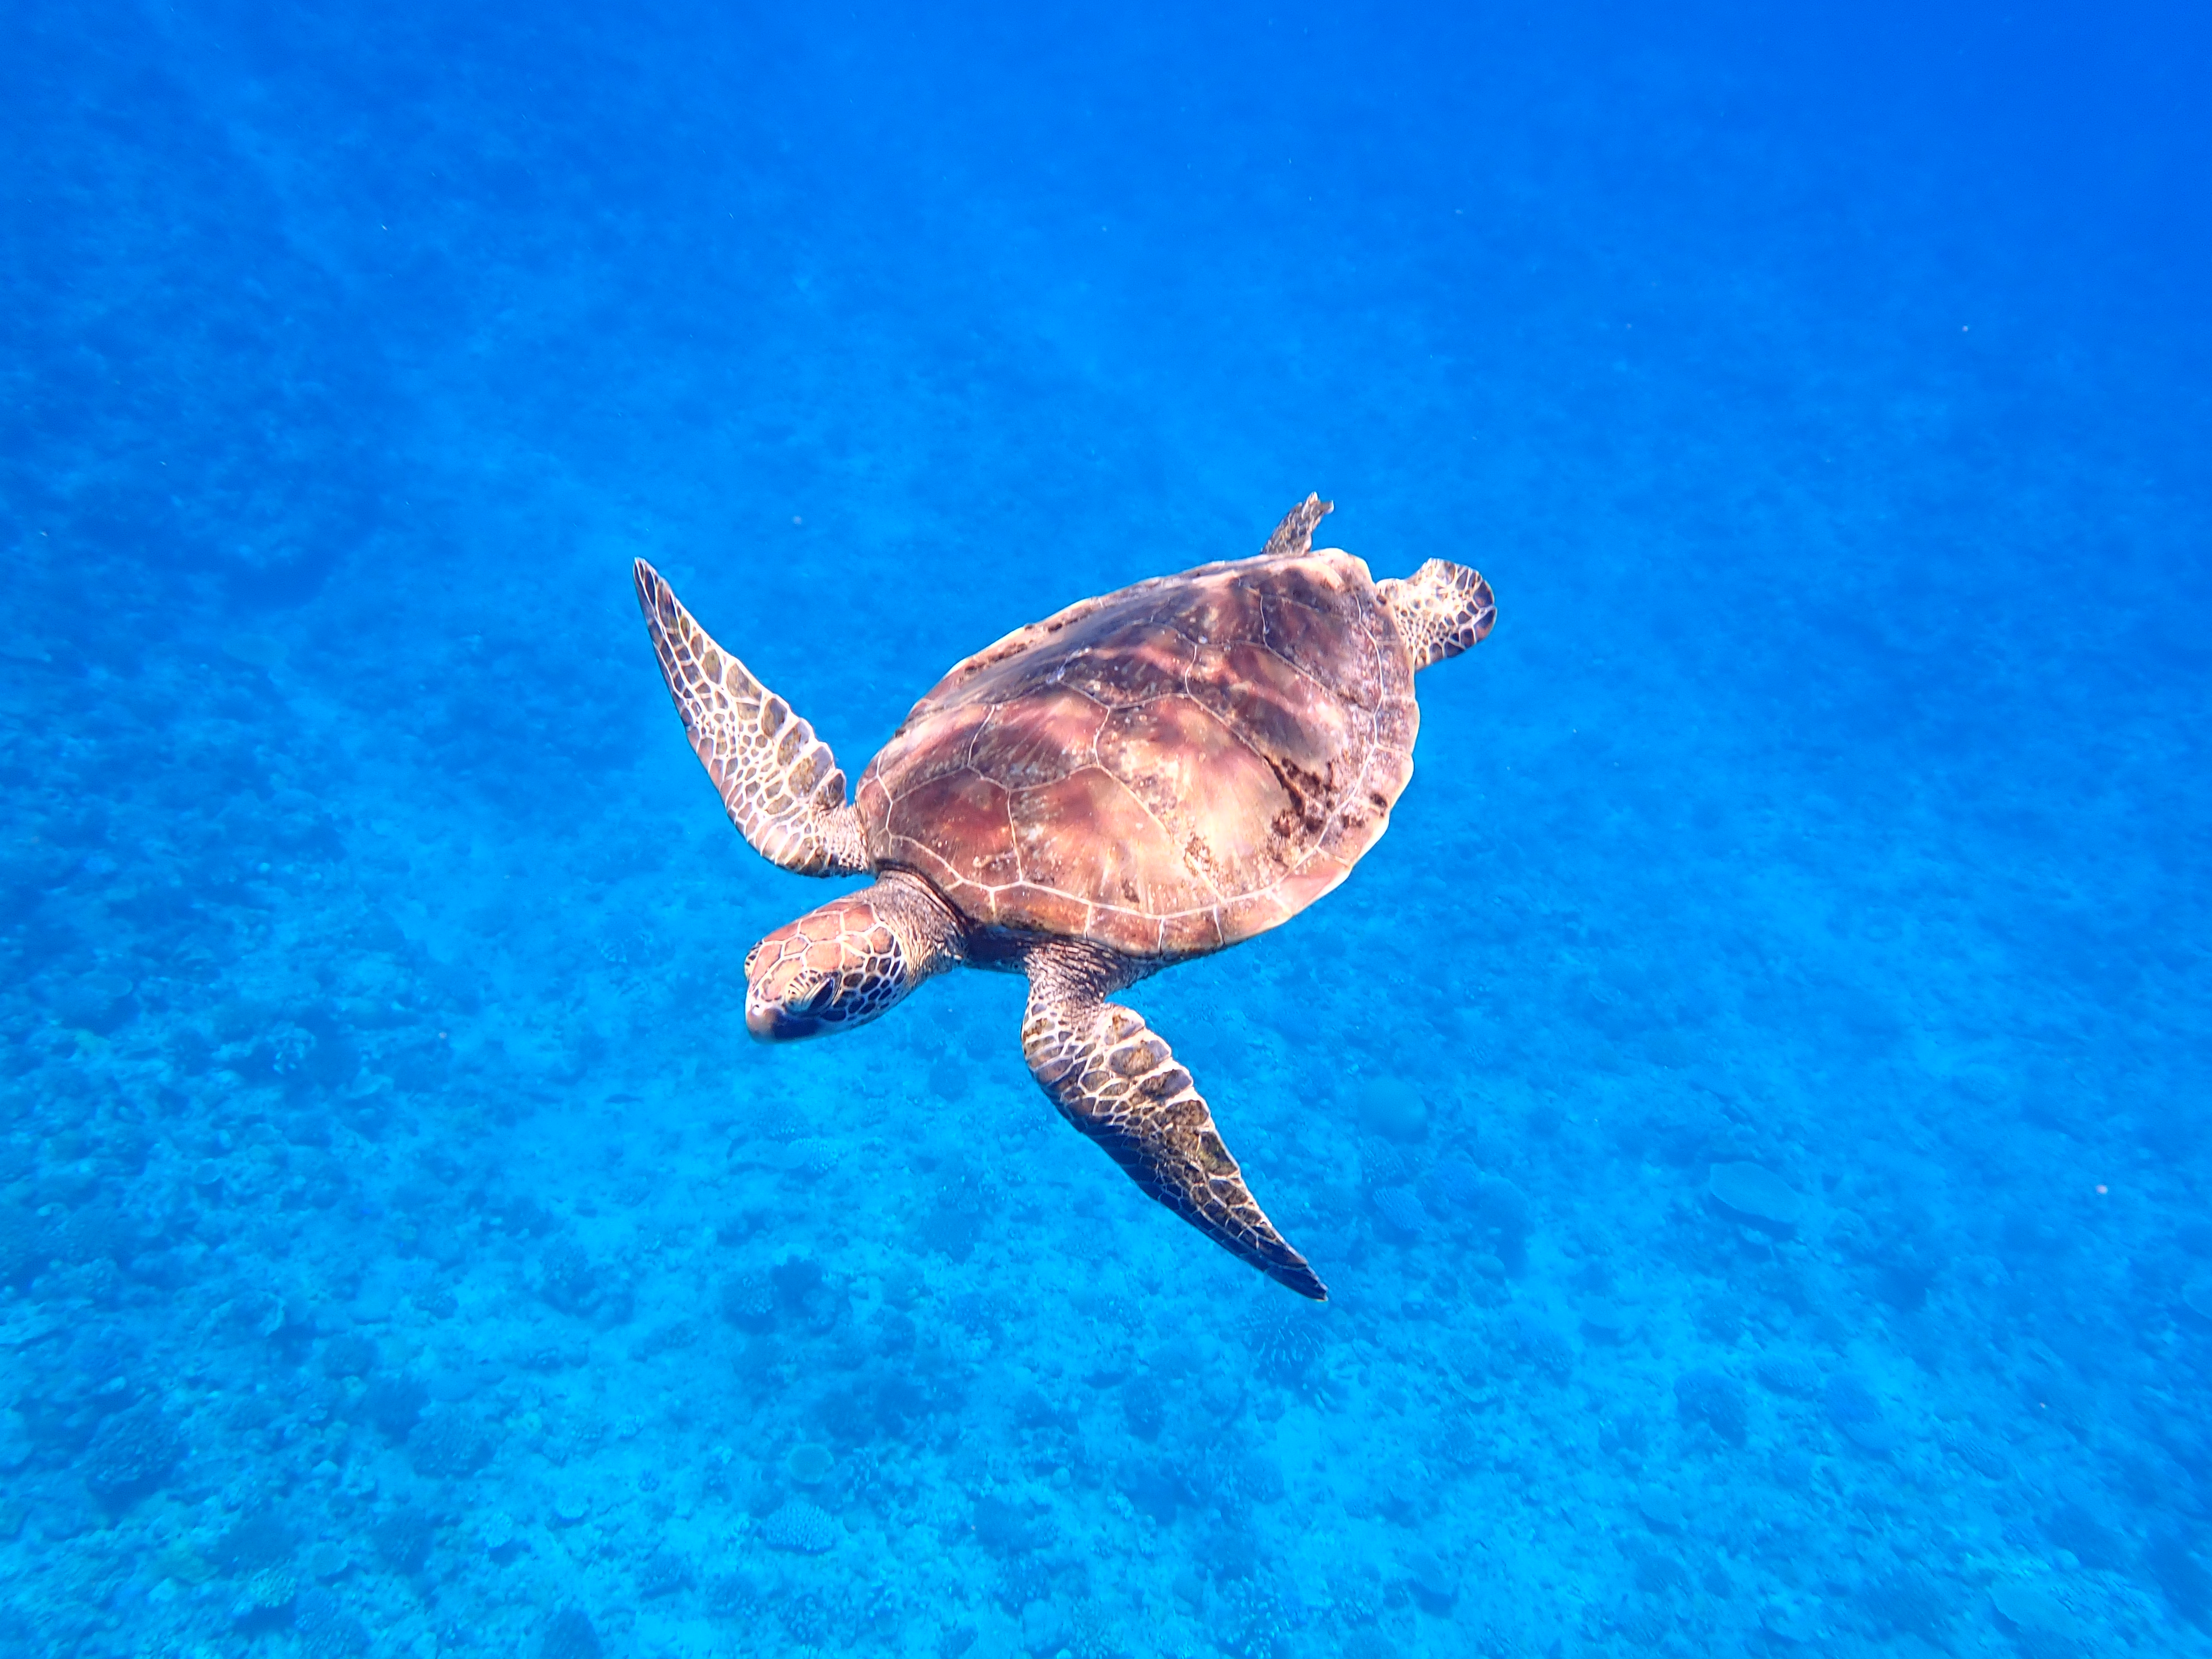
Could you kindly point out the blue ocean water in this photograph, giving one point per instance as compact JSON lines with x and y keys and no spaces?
{"x":1750,"y":1111}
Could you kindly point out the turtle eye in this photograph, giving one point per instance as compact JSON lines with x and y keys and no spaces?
{"x":824,"y":994}
{"x":752,"y":957}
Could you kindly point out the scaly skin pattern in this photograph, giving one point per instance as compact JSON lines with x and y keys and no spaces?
{"x":1441,"y":610}
{"x":849,"y":961}
{"x":779,"y":782}
{"x":1113,"y":1078}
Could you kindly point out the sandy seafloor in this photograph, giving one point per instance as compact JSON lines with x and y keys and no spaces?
{"x":402,"y":1249}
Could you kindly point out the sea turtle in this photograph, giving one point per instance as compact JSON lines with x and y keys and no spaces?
{"x":1146,"y":777}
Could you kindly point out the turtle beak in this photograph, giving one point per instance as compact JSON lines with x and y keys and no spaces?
{"x":786,"y":1013}
{"x":785,"y":990}
{"x":837,"y":966}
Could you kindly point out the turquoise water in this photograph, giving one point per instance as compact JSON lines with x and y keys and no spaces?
{"x":403,"y":1251}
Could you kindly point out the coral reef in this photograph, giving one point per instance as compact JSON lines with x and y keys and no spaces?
{"x":799,"y":1527}
{"x":1756,"y":1195}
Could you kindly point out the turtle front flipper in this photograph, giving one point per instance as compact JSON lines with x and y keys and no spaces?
{"x":780,"y":783}
{"x":1119,"y":1083}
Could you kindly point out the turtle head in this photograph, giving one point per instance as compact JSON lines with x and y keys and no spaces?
{"x":840,"y":965}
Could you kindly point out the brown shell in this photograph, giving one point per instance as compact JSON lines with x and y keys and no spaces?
{"x":1164,"y":770}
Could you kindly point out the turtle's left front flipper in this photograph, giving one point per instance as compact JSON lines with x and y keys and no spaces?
{"x":1119,"y":1083}
{"x":779,"y":782}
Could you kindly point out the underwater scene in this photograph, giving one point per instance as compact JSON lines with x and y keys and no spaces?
{"x":1752,"y":1113}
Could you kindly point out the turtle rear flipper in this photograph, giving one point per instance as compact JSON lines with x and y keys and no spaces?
{"x":780,"y":783}
{"x":1119,"y":1083}
{"x":1441,"y":610}
{"x":1294,"y":535}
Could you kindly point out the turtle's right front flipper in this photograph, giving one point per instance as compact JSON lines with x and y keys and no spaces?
{"x":780,"y":783}
{"x":1119,"y":1083}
